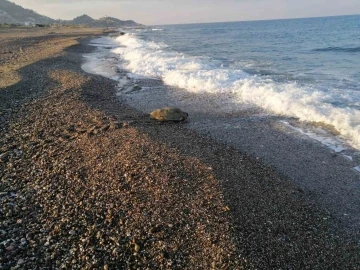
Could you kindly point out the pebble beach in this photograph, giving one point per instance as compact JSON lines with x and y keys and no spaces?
{"x":89,"y":182}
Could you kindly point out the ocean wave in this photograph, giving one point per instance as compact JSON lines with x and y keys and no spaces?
{"x":202,"y":75}
{"x":338,"y":49}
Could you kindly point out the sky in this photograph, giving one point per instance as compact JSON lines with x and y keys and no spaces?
{"x":156,"y":12}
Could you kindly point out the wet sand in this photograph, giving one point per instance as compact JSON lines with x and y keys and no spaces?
{"x":88,"y":181}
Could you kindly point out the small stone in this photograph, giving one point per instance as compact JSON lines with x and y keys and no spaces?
{"x":116,"y":125}
{"x":71,"y":128}
{"x":4,"y":155}
{"x":72,"y":232}
{"x":106,"y":267}
{"x":91,"y":130}
{"x":74,"y":136}
{"x":105,"y":127}
{"x":23,"y":241}
{"x":20,"y":262}
{"x":10,"y":248}
{"x":155,"y":229}
{"x":136,"y":248}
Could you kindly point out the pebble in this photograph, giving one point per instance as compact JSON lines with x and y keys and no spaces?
{"x":83,"y":204}
{"x":105,"y":127}
{"x":10,"y":248}
{"x":23,"y":241}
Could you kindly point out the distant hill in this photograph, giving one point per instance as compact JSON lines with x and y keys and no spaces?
{"x":102,"y":22}
{"x":83,"y":19}
{"x":112,"y":22}
{"x":11,"y":13}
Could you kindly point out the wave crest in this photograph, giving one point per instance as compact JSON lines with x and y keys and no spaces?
{"x":202,"y":75}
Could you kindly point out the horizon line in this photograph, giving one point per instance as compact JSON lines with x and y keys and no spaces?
{"x":258,"y":20}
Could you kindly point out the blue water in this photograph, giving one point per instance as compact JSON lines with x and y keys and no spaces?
{"x":307,"y":69}
{"x":324,"y":51}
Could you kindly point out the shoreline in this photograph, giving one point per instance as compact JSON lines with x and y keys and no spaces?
{"x":173,"y":199}
{"x":322,"y":166}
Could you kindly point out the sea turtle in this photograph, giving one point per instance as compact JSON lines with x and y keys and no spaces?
{"x":169,"y":114}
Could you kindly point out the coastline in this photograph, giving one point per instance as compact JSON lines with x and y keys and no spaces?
{"x":173,"y":199}
{"x":309,"y":154}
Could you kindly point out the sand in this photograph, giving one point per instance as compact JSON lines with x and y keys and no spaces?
{"x":87,"y":181}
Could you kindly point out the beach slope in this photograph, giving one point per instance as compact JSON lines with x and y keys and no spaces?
{"x":89,"y":182}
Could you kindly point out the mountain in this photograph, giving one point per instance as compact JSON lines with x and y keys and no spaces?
{"x":83,"y":19}
{"x":112,"y":22}
{"x":11,"y":13}
{"x":102,"y":22}
{"x":15,"y":14}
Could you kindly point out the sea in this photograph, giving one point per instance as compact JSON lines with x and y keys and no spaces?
{"x":305,"y":73}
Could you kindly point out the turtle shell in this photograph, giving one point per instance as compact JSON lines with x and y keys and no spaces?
{"x":169,"y":114}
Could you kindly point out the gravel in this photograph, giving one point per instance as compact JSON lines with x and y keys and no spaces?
{"x":88,"y":182}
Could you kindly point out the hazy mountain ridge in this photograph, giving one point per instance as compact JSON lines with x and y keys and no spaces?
{"x":102,"y":22}
{"x":113,"y":22}
{"x":83,"y":19}
{"x":12,"y":13}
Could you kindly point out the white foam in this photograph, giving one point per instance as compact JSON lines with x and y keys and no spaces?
{"x":96,"y":63}
{"x":201,"y":75}
{"x":104,"y":42}
{"x":122,"y":82}
{"x":321,"y":136}
{"x":135,"y":76}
